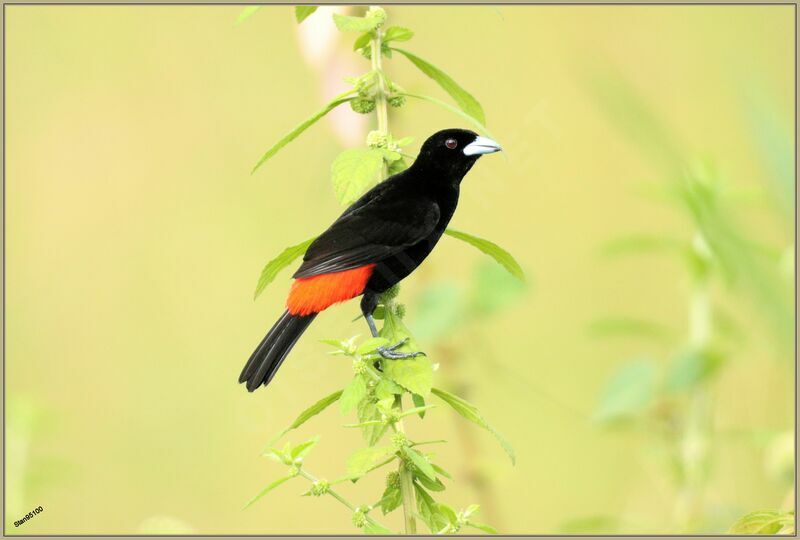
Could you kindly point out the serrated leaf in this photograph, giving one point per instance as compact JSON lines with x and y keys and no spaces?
{"x":441,"y":471}
{"x":428,"y":510}
{"x":267,"y":489}
{"x":470,"y":412}
{"x":246,"y":13}
{"x":463,"y":99}
{"x":364,"y":459}
{"x":367,"y":411}
{"x":421,"y":463}
{"x":455,"y":110}
{"x":430,"y":484}
{"x":448,"y":513}
{"x":284,"y":259}
{"x":294,"y":133}
{"x":310,"y":412}
{"x":392,"y":498}
{"x":301,"y":13}
{"x":491,"y":249}
{"x":346,"y":23}
{"x":386,"y":389}
{"x":397,"y":33}
{"x":353,"y":394}
{"x":419,"y":402}
{"x":302,"y":449}
{"x":629,"y":391}
{"x":763,"y":522}
{"x":362,"y":41}
{"x":414,"y":374}
{"x":354,"y":171}
{"x":371,"y":345}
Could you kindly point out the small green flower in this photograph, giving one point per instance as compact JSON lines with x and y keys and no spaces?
{"x":397,"y":101}
{"x":393,"y":479}
{"x":359,"y":518}
{"x":362,"y":105}
{"x":294,"y":471}
{"x":377,"y":139}
{"x":399,"y":440}
{"x":320,"y":488}
{"x":359,"y":366}
{"x":400,"y":310}
{"x":377,"y":13}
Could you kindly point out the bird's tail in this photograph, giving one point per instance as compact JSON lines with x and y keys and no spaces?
{"x":270,"y":353}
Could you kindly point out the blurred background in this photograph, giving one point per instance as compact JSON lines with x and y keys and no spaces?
{"x":644,"y":374}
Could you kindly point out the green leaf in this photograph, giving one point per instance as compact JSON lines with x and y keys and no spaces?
{"x":302,"y":449}
{"x":428,"y":510}
{"x":364,"y":459}
{"x":441,"y":471}
{"x":478,"y":125}
{"x":414,"y":374}
{"x":312,"y":411}
{"x":421,"y":463}
{"x":419,"y":401}
{"x":463,"y":99}
{"x":397,"y":33}
{"x":371,"y":345}
{"x":353,"y":394}
{"x":448,"y":513}
{"x":482,"y":526}
{"x":764,"y":522}
{"x":491,"y":249}
{"x":301,"y":13}
{"x":346,"y":23}
{"x":470,"y":412}
{"x":246,"y":13}
{"x":628,"y":392}
{"x":354,"y":171}
{"x":273,"y":267}
{"x":362,"y":41}
{"x":430,"y":484}
{"x":367,"y":412}
{"x":267,"y":489}
{"x":386,"y":389}
{"x":690,"y":368}
{"x":392,"y":498}
{"x":397,"y":166}
{"x":292,"y":135}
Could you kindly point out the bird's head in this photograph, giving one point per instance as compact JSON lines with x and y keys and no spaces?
{"x":454,"y":151}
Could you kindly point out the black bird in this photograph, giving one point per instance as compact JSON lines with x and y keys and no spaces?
{"x":376,"y":242}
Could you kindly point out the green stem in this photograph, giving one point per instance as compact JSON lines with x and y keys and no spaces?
{"x":693,"y":445}
{"x":406,"y":485}
{"x":311,"y":478}
{"x":381,"y":104}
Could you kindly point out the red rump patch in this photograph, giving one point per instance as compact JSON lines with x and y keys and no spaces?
{"x":315,"y":293}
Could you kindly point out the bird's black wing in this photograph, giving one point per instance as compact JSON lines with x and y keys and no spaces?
{"x":380,"y":224}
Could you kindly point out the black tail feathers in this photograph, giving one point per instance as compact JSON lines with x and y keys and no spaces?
{"x":270,"y":353}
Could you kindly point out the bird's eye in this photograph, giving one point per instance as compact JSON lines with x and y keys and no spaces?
{"x":451,"y":143}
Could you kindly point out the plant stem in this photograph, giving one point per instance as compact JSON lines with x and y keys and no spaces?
{"x":381,"y":105}
{"x":406,"y":486}
{"x":694,"y":443}
{"x":310,"y":477}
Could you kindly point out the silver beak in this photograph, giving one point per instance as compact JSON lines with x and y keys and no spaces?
{"x":481,"y":145}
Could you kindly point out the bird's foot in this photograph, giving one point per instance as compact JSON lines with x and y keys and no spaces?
{"x":390,"y":353}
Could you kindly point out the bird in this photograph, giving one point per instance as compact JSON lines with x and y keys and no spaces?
{"x":377,"y":241}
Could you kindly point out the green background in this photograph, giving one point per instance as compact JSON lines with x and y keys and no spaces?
{"x":135,"y":236}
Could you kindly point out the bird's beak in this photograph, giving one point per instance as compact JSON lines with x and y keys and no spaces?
{"x":481,"y":145}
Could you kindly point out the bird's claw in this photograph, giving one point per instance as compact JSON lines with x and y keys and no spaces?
{"x":390,"y":352}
